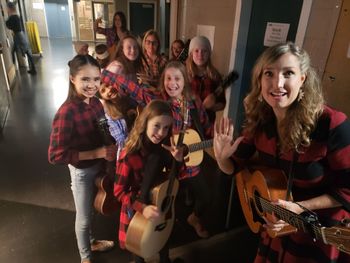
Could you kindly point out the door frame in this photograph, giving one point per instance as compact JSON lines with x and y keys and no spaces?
{"x":144,"y":2}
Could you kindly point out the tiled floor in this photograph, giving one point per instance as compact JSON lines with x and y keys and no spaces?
{"x":36,"y":204}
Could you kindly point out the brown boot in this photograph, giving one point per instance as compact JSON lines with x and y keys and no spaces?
{"x":194,"y":221}
{"x":102,"y":245}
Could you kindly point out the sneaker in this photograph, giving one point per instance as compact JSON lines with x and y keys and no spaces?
{"x":194,"y":221}
{"x":102,"y":245}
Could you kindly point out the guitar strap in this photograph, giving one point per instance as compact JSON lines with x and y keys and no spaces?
{"x":195,"y":116}
{"x":291,"y":176}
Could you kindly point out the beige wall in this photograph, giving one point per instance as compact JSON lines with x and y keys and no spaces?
{"x":320,"y":31}
{"x":37,"y":15}
{"x":220,"y":14}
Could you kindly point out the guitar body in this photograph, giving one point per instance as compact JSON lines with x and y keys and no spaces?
{"x":270,"y":184}
{"x":105,"y":201}
{"x":146,"y":238}
{"x":194,"y":147}
{"x":192,"y":158}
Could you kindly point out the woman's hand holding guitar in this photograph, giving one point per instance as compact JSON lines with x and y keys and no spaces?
{"x":277,"y":224}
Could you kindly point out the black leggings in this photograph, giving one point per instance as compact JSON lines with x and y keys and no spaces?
{"x":200,"y":192}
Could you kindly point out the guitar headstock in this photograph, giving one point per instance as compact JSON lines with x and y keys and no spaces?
{"x":184,"y":53}
{"x":104,"y":131}
{"x":231,"y":77}
{"x":338,"y":237}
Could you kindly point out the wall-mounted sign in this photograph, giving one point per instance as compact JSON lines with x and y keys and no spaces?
{"x":38,"y":6}
{"x":275,"y":33}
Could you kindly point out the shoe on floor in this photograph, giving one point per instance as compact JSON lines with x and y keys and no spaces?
{"x":102,"y":245}
{"x":194,"y":221}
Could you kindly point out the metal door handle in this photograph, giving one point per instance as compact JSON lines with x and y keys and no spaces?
{"x":332,"y":78}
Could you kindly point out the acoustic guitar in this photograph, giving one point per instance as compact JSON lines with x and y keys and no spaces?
{"x":105,"y":201}
{"x":144,"y":237}
{"x":193,"y":147}
{"x":256,"y":190}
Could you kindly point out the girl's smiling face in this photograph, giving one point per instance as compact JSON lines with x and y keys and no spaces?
{"x":200,"y":55}
{"x":86,"y":81}
{"x":158,"y":128}
{"x":281,"y":82}
{"x":174,"y":82}
{"x":130,"y":49}
{"x":107,"y":92}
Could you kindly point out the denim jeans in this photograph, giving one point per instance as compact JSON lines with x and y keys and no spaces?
{"x":82,"y":185}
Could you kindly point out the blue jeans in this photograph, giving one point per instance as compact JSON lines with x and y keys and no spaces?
{"x":82,"y":185}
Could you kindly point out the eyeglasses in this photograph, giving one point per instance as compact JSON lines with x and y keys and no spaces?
{"x":150,"y":42}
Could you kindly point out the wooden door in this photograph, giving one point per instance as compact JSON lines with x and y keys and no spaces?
{"x":336,"y":78}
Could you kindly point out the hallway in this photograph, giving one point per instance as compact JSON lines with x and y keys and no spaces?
{"x":36,"y":204}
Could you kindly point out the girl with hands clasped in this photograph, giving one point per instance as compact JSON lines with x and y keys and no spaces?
{"x":289,"y":127}
{"x":148,"y":149}
{"x":76,"y":141}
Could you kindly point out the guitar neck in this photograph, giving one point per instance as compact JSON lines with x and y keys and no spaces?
{"x":200,"y":145}
{"x":291,"y":218}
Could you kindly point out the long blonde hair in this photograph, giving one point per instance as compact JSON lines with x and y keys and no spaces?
{"x":138,"y":135}
{"x":301,"y":116}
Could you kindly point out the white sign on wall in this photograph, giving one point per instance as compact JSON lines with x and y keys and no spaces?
{"x":275,"y":33}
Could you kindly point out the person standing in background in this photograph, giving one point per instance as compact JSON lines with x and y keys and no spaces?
{"x":155,"y":61}
{"x":20,"y":41}
{"x":204,"y":77}
{"x":115,"y":33}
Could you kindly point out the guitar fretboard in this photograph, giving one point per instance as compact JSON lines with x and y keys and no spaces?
{"x":200,"y":145}
{"x":289,"y":217}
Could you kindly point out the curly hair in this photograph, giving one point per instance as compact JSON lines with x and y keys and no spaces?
{"x":301,"y":116}
{"x":137,"y":135}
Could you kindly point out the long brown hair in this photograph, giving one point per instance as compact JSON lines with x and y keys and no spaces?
{"x":130,"y":67}
{"x":138,"y":135}
{"x":301,"y":116}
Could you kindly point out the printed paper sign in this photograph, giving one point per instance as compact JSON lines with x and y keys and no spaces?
{"x":275,"y":33}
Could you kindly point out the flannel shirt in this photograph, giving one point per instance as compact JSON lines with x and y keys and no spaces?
{"x":321,"y":168}
{"x":157,"y":66}
{"x":129,"y":177}
{"x":119,"y":131}
{"x":111,"y":35}
{"x":144,"y":96}
{"x":74,"y":129}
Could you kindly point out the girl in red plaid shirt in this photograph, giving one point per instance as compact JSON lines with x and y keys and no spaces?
{"x":204,"y":77}
{"x":140,"y":166}
{"x":75,"y":141}
{"x":175,"y":88}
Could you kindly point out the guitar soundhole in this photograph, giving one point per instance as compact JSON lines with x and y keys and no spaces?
{"x":257,"y":202}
